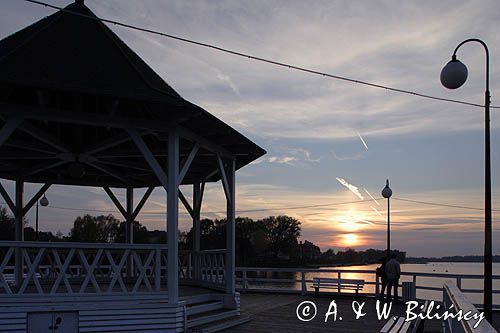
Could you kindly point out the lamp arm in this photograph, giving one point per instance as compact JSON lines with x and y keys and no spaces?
{"x":487,"y":60}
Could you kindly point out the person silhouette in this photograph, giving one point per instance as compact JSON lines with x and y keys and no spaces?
{"x":383,"y":277}
{"x":393,"y":272}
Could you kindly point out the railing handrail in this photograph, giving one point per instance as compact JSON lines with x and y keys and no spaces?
{"x":372,"y":279}
{"x":461,"y":303}
{"x":332,"y":270}
{"x":216,"y":251}
{"x":78,"y":245}
{"x":213,"y":251}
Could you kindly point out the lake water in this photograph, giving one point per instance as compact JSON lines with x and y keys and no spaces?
{"x":432,"y":268}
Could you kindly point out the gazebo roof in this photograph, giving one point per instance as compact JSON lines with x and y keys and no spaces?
{"x":78,"y":87}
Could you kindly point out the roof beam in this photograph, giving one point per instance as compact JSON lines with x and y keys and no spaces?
{"x":94,"y":119}
{"x":127,"y":164}
{"x":25,"y":145}
{"x":105,"y":170}
{"x":11,"y":124}
{"x":142,"y":202}
{"x":44,"y":137}
{"x":186,"y":204}
{"x":35,"y":198}
{"x":42,"y":167}
{"x":115,"y":201}
{"x":207,"y":144}
{"x":225,"y":183}
{"x":187,"y":162}
{"x":110,"y":143}
{"x":153,"y":163}
{"x":7,"y":199}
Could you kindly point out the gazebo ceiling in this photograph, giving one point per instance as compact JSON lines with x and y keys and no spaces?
{"x":79,"y":89}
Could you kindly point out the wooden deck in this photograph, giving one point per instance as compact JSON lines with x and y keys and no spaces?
{"x":277,"y":313}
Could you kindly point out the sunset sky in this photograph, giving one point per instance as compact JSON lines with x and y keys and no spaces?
{"x":324,"y":137}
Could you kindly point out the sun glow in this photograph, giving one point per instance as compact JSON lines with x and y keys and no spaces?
{"x":350,"y":240}
{"x":351,"y":221}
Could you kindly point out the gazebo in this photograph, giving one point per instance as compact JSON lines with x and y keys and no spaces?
{"x":79,"y":107}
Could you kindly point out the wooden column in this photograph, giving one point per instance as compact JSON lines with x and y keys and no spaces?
{"x":129,"y":227}
{"x":196,"y":217}
{"x":196,"y":229}
{"x":230,"y":228}
{"x":172,"y":216}
{"x":19,"y":230}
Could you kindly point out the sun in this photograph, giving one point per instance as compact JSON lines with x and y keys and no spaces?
{"x":350,"y":239}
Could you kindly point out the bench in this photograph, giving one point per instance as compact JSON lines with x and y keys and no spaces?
{"x":398,"y":324}
{"x":338,"y":284}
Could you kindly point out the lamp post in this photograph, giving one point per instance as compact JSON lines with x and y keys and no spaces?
{"x":387,"y":193}
{"x":453,"y":76}
{"x":44,"y":202}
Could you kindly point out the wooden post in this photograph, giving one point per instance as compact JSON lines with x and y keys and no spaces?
{"x":196,"y":229}
{"x":230,"y":228}
{"x":129,"y":227}
{"x":244,"y":278}
{"x":19,"y":231}
{"x":158,"y":269}
{"x":129,"y":235}
{"x":172,"y":216}
{"x":303,"y":279}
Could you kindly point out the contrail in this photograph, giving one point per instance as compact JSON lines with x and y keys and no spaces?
{"x":361,"y":138}
{"x":376,"y":210}
{"x":352,"y":188}
{"x":371,"y":196}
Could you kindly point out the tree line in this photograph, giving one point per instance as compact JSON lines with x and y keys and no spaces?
{"x":268,"y":241}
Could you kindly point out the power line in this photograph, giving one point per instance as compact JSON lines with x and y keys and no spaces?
{"x":283,"y":208}
{"x":443,"y":205}
{"x":220,"y":212}
{"x":256,"y":58}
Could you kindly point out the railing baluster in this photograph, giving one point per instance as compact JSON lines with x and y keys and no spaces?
{"x":303,"y":279}
{"x":158,"y":269}
{"x":244,"y":282}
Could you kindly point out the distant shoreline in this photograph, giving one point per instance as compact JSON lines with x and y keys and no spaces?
{"x":454,"y":259}
{"x":412,"y":261}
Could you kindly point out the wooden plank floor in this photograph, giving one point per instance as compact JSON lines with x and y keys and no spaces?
{"x":277,"y":313}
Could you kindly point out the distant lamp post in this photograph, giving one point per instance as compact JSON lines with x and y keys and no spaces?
{"x":453,"y":76}
{"x":44,"y":202}
{"x":387,"y":193}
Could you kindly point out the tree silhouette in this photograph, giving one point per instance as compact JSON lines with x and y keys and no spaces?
{"x":282,"y":232}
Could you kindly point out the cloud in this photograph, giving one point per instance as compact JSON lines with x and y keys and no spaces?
{"x":227,"y":79}
{"x":371,"y":196}
{"x":282,"y":159}
{"x":304,"y":154}
{"x":353,"y":157}
{"x":362,"y":140}
{"x":376,"y":211}
{"x":354,"y":189}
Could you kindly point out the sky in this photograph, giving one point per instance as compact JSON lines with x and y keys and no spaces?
{"x":329,"y":142}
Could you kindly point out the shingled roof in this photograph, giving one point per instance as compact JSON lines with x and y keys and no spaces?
{"x":71,"y":61}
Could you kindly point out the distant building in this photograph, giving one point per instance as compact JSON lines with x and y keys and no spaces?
{"x":308,"y":251}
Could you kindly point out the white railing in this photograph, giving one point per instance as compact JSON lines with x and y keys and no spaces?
{"x":299,"y":280}
{"x":205,"y":268}
{"x":454,"y":298}
{"x":81,"y":268}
